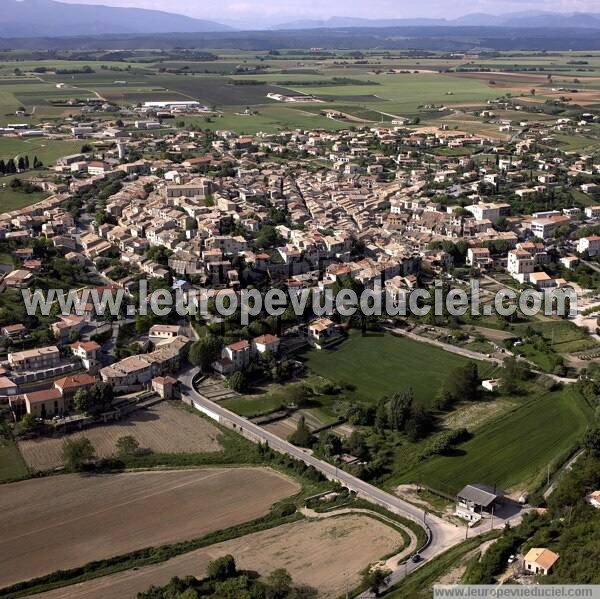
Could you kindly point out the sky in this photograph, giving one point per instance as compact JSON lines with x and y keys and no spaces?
{"x":268,"y":12}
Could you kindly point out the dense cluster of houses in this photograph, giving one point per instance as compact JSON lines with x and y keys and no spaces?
{"x":227,"y":210}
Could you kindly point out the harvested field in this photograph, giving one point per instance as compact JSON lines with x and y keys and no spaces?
{"x":162,"y":428}
{"x":320,"y":553}
{"x":286,"y":426}
{"x":66,"y":521}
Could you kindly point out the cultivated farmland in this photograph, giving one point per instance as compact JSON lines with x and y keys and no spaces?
{"x":322,"y":554}
{"x":162,"y":428}
{"x":514,"y":450}
{"x":66,"y":521}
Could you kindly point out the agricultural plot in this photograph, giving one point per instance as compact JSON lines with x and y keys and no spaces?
{"x":12,"y":466}
{"x":220,"y":91}
{"x":162,"y":428}
{"x":321,"y":554}
{"x":13,"y":200}
{"x":379,"y":365}
{"x":62,"y":522}
{"x":47,"y":150}
{"x":514,"y":450}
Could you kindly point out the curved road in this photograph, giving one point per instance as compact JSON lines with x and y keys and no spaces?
{"x":442,"y":534}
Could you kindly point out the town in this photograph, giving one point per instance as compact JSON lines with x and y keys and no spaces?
{"x":449,"y":430}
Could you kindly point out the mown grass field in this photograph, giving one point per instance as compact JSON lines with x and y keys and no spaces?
{"x":13,"y":200}
{"x":381,"y":364}
{"x":513,"y":451}
{"x":12,"y":465}
{"x":47,"y":150}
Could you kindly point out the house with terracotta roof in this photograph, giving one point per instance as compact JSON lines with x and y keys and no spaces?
{"x":164,"y":386}
{"x":87,"y":352}
{"x":69,"y":385}
{"x":540,"y":560}
{"x":265,"y":343}
{"x":321,"y":331}
{"x":235,"y":356}
{"x":45,"y":404}
{"x":67,"y":324}
{"x":7,"y":387}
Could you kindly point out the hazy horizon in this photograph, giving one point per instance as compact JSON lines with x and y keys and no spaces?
{"x":270,"y":12}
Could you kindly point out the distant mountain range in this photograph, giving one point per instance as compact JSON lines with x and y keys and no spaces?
{"x":47,"y":18}
{"x":50,"y":19}
{"x":514,"y":20}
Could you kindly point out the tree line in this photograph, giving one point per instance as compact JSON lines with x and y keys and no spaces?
{"x":21,"y":164}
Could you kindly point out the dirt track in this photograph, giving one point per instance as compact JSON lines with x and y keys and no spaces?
{"x":66,"y":521}
{"x":162,"y":428}
{"x":325,"y":554}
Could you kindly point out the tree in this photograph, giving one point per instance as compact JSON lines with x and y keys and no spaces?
{"x":591,"y":442}
{"x":95,"y":399}
{"x":302,"y":437}
{"x":77,"y":453}
{"x":419,"y":424}
{"x":222,"y":568}
{"x":127,"y":445}
{"x":204,"y":352}
{"x":238,"y":381}
{"x":461,"y":384}
{"x":381,"y":415}
{"x":297,"y":395}
{"x":331,"y":444}
{"x":279,"y":584}
{"x":400,"y":408}
{"x":375,"y":578}
{"x":357,"y":445}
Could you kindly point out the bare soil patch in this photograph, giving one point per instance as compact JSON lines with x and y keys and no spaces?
{"x":162,"y":428}
{"x":325,"y":554}
{"x":66,"y":521}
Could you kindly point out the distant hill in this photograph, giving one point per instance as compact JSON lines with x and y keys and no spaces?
{"x":514,"y":20}
{"x":35,"y":18}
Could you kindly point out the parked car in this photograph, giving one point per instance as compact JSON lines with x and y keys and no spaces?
{"x":415,"y":559}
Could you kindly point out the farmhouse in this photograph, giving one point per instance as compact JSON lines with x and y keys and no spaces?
{"x":539,"y":560}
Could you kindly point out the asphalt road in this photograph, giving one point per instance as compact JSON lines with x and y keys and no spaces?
{"x":442,"y":534}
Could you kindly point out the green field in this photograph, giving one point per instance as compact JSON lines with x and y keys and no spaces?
{"x":515,"y":450}
{"x":364,"y":88}
{"x":47,"y":150}
{"x":381,"y":364}
{"x":13,"y":200}
{"x":12,"y":466}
